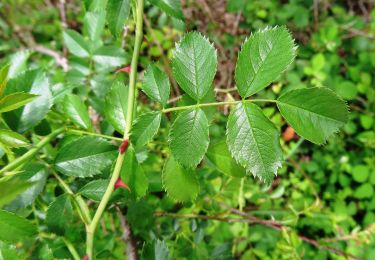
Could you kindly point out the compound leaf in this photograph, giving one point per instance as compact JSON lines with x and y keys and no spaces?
{"x":314,"y":113}
{"x":253,"y":141}
{"x":189,"y":137}
{"x":263,"y":57}
{"x":180,"y":183}
{"x":194,"y":64}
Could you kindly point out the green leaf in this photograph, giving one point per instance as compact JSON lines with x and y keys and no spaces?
{"x":180,"y":183}
{"x":314,"y":113}
{"x":171,"y":7}
{"x":263,"y":57}
{"x":220,"y":156}
{"x":76,"y":110}
{"x":116,"y":106}
{"x":8,"y":252}
{"x":12,"y":139}
{"x":17,"y":63}
{"x":94,"y":190}
{"x":28,"y":116}
{"x":10,"y":188}
{"x":145,"y":128}
{"x":189,"y":138}
{"x":3,"y":78}
{"x":194,"y":64}
{"x":118,"y":13}
{"x":156,"y":250}
{"x":85,"y":157}
{"x":15,"y":100}
{"x":94,"y":24}
{"x":156,"y":84}
{"x":36,"y":176}
{"x":14,"y":228}
{"x":133,"y":175}
{"x":110,"y":56}
{"x":76,"y":44}
{"x":60,"y":214}
{"x":253,"y":141}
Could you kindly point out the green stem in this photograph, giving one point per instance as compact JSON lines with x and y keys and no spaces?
{"x":82,"y":132}
{"x":129,"y":119}
{"x":71,"y":249}
{"x":214,"y":104}
{"x":295,"y":148}
{"x":30,"y":154}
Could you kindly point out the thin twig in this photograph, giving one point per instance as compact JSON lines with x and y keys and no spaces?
{"x":60,"y":60}
{"x":131,"y":248}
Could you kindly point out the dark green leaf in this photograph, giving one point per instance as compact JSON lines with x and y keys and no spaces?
{"x":77,"y":111}
{"x":60,"y":214}
{"x":118,"y":13}
{"x":171,"y":7}
{"x":253,"y":141}
{"x":10,"y":188}
{"x":156,"y":84}
{"x":94,"y":190}
{"x":15,"y":100}
{"x":157,"y":250}
{"x":85,"y":157}
{"x":13,"y":228}
{"x":263,"y":57}
{"x":314,"y":113}
{"x":145,"y":128}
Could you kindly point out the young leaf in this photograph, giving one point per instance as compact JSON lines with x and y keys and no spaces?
{"x":15,"y":100}
{"x":263,"y":57}
{"x":156,"y":84}
{"x":180,"y":183}
{"x":171,"y":7}
{"x":145,"y":128}
{"x":253,"y":141}
{"x":85,"y":157}
{"x":194,"y":64}
{"x":34,"y":82}
{"x":76,"y":44}
{"x":94,"y":24}
{"x":76,"y":110}
{"x":188,"y":137}
{"x":3,"y":78}
{"x":94,"y":190}
{"x":314,"y":113}
{"x":14,"y":228}
{"x":133,"y":175}
{"x":116,"y":106}
{"x":59,"y":214}
{"x":118,"y":13}
{"x":220,"y":156}
{"x":12,"y":139}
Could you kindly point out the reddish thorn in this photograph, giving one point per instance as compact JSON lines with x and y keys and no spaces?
{"x":124,"y":146}
{"x":85,"y":257}
{"x":124,"y":69}
{"x":119,"y":183}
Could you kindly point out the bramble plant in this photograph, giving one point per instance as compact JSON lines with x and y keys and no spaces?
{"x":86,"y":150}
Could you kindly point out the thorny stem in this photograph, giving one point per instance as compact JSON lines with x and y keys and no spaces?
{"x":129,"y":119}
{"x":215,"y":104}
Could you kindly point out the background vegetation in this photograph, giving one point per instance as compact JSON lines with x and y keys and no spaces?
{"x":321,"y":205}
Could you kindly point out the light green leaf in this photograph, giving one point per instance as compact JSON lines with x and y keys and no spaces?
{"x":263,"y":57}
{"x":94,"y":24}
{"x":85,"y":157}
{"x":180,"y":183}
{"x":12,"y":139}
{"x":17,"y":63}
{"x":117,"y":14}
{"x":156,"y":84}
{"x":220,"y":156}
{"x":171,"y":7}
{"x":15,"y":100}
{"x":76,"y":110}
{"x":133,"y":175}
{"x":60,"y":214}
{"x":10,"y":188}
{"x":194,"y":64}
{"x":14,"y":228}
{"x":188,"y":137}
{"x":94,"y":190}
{"x":116,"y":106}
{"x":145,"y":128}
{"x":3,"y":78}
{"x":253,"y":141}
{"x":28,"y":116}
{"x":76,"y":44}
{"x":314,"y":113}
{"x":8,"y":252}
{"x":110,"y":56}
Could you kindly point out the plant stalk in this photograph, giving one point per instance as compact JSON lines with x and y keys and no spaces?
{"x":214,"y":104}
{"x":30,"y":154}
{"x":129,"y":119}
